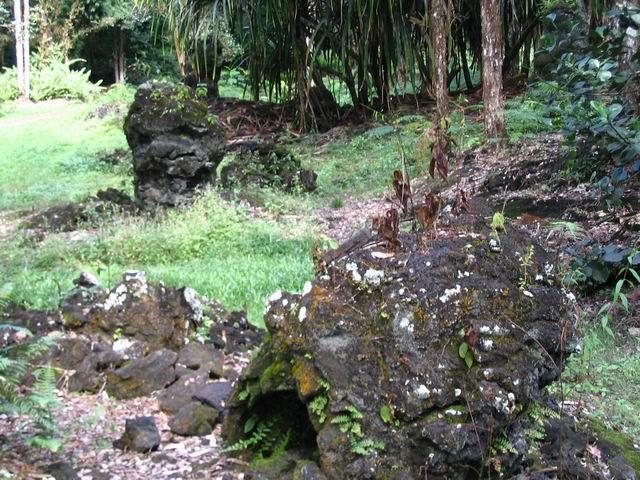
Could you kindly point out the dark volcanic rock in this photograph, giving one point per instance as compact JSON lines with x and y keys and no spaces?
{"x":268,"y":165}
{"x":194,"y":419}
{"x":142,"y":376}
{"x":61,"y":471}
{"x":176,"y":144}
{"x":181,"y":391}
{"x":214,"y":394}
{"x":232,"y":331}
{"x":134,"y":310}
{"x":374,"y":349}
{"x":200,"y":356}
{"x":140,"y":435}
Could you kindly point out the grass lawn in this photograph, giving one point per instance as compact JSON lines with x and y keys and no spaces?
{"x":50,"y":153}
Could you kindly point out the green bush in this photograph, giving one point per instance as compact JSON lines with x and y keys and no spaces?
{"x":50,"y":78}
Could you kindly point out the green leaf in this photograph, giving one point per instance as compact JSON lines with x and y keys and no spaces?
{"x":599,"y":108}
{"x":250,"y":423}
{"x":385,"y":414}
{"x":468,"y":359}
{"x":463,"y":349}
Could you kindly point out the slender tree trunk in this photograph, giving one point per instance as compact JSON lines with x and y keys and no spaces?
{"x":180,"y":54}
{"x":25,"y":51}
{"x":439,"y":35}
{"x":494,"y":123}
{"x":17,"y":12}
{"x":119,"y":59}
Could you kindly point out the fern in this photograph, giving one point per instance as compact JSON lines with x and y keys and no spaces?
{"x":317,"y":406}
{"x":16,"y":362}
{"x":502,"y":445}
{"x":366,"y":446}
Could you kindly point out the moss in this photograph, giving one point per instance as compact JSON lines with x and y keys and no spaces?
{"x":274,"y":375}
{"x":621,"y":441}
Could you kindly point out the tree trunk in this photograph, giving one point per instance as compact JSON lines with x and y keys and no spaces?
{"x":17,"y":12}
{"x":25,"y":52}
{"x":439,"y":34}
{"x":180,"y":54}
{"x":118,"y":56}
{"x":494,"y":123}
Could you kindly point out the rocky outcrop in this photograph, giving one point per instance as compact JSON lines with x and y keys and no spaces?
{"x":414,"y":362}
{"x":176,"y":144}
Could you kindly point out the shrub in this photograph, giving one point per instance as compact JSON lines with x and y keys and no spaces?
{"x":50,"y":78}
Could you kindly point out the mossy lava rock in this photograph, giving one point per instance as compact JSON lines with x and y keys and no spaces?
{"x":176,"y":143}
{"x":410,"y":363}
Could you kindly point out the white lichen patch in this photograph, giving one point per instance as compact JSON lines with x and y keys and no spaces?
{"x":464,"y":274}
{"x":116,"y":298}
{"x":494,"y":246}
{"x":407,"y":325}
{"x":122,"y":345}
{"x":453,"y":412}
{"x":306,"y":290}
{"x":457,"y":392}
{"x":548,"y":268}
{"x":448,"y":293}
{"x":275,"y":296}
{"x":373,"y":277}
{"x":422,"y":392}
{"x":353,"y":268}
{"x":302,"y":314}
{"x":486,"y":344}
{"x":527,"y":293}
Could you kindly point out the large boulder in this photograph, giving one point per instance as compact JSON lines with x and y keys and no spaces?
{"x":177,"y":144}
{"x":412,"y":362}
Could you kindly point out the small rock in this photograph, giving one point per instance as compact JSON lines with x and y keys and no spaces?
{"x":61,"y":471}
{"x":214,"y":394}
{"x":194,"y":419}
{"x":140,"y":435}
{"x":308,"y":470}
{"x":86,"y":280}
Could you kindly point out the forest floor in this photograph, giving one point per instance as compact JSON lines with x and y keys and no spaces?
{"x":240,"y":246}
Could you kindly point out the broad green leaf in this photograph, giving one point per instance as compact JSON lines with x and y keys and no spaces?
{"x":385,"y":413}
{"x":463,"y":349}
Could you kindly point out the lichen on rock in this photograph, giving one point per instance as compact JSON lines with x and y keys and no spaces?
{"x":392,"y":341}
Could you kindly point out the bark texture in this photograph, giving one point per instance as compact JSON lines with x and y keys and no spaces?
{"x":494,"y":124}
{"x":439,"y":34}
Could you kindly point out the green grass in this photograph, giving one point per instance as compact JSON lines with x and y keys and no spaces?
{"x":213,"y":247}
{"x":50,"y":153}
{"x":606,"y":376}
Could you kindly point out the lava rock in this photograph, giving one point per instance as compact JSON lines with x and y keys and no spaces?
{"x":176,"y":144}
{"x":140,"y":435}
{"x":194,"y":419}
{"x":308,"y":470}
{"x":135,"y":310}
{"x":61,"y":471}
{"x":232,"y":331}
{"x":214,"y":394}
{"x":179,"y":393}
{"x":200,"y":356}
{"x":444,"y":340}
{"x":143,"y":376}
{"x":268,"y":165}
